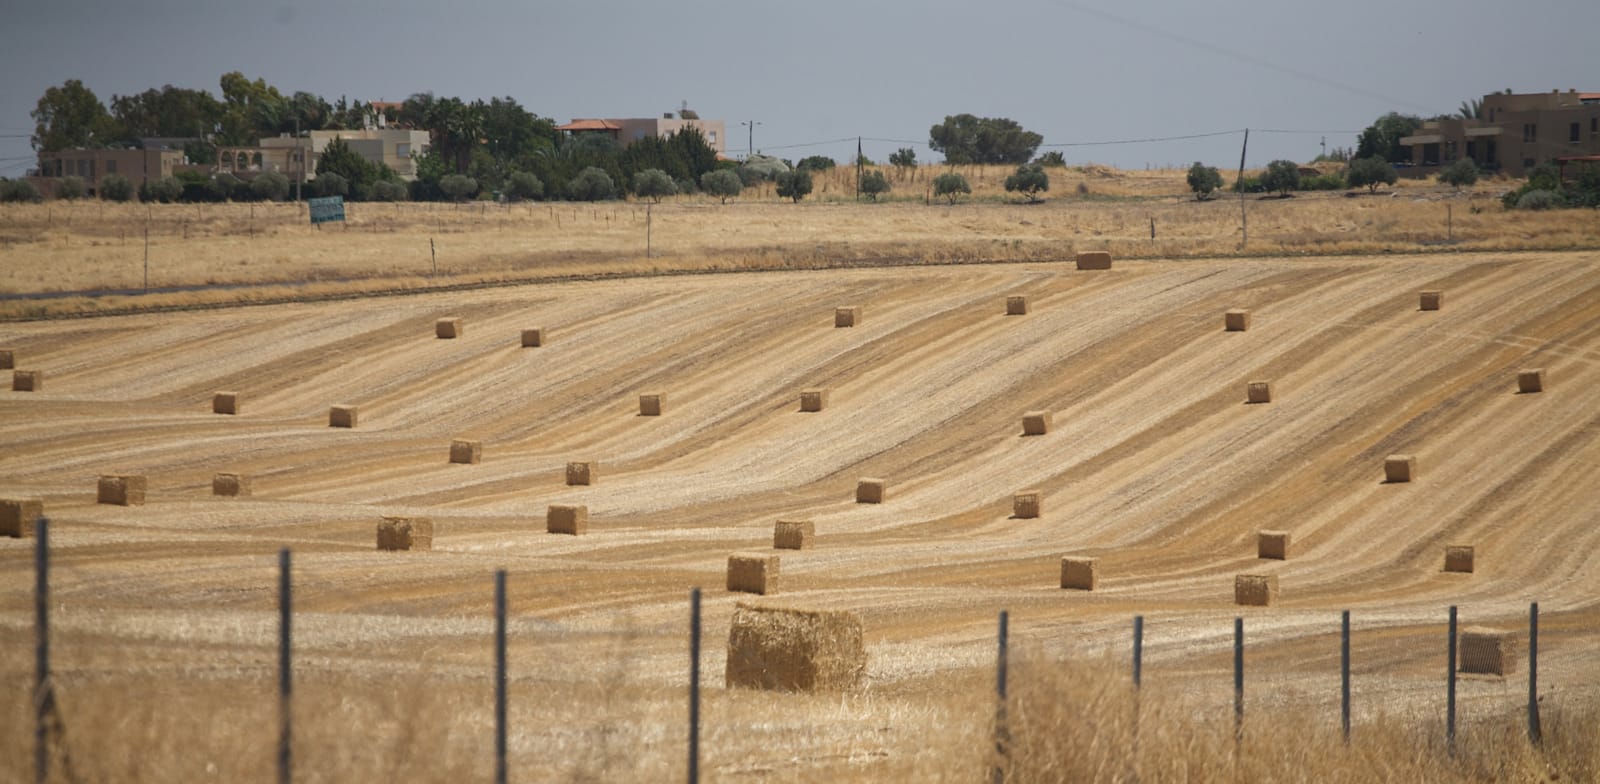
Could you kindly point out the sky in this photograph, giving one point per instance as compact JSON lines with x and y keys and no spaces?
{"x":816,"y":75}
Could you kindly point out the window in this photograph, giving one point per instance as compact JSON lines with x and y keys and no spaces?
{"x":403,"y":150}
{"x":111,"y":166}
{"x":1530,"y":132}
{"x":711,"y":136}
{"x":1575,"y":133}
{"x":1594,"y":125}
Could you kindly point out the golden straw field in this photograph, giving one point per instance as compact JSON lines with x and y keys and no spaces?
{"x":165,"y":614}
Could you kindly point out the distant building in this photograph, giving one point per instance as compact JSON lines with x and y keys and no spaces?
{"x":93,"y":166}
{"x":629,"y":130}
{"x":1517,"y":132}
{"x":297,"y":156}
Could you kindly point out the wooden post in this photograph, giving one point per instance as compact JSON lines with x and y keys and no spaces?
{"x":44,"y":693}
{"x":1450,"y":690}
{"x":1002,"y":734}
{"x":1138,"y":650}
{"x":285,"y":672}
{"x":1535,"y":735}
{"x":1238,"y":680}
{"x":500,"y":676}
{"x":434,"y":253}
{"x":694,"y":686}
{"x":1344,"y":673}
{"x":1244,"y":222}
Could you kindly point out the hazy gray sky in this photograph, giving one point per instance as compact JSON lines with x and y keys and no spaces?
{"x":1073,"y":70}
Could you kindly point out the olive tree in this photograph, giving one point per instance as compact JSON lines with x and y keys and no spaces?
{"x":1203,"y":180}
{"x":794,"y":184}
{"x":874,"y":183}
{"x":1029,"y":180}
{"x":1460,"y":174}
{"x":653,"y":184}
{"x":722,"y":183}
{"x":1281,"y":176}
{"x":1371,"y":172}
{"x":951,"y":185}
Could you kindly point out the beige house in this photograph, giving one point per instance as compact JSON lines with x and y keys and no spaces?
{"x":626,"y":131}
{"x":396,"y":148}
{"x":1517,"y":132}
{"x":92,"y":166}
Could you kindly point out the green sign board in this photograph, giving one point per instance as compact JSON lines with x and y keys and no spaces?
{"x":327,"y":208}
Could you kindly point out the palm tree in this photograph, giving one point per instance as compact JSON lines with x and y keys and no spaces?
{"x":1471,"y":110}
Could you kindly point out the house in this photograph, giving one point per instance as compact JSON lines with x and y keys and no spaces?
{"x":396,"y":148}
{"x":629,"y":130}
{"x":93,"y":166}
{"x":1517,"y":132}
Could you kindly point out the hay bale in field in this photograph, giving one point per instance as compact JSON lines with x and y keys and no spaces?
{"x":1430,"y":300}
{"x":1399,"y":468}
{"x":567,"y":519}
{"x":532,"y":338}
{"x":18,"y":515}
{"x":342,"y":416}
{"x":1078,"y":573}
{"x":650,"y":405}
{"x":753,"y":573}
{"x":1036,"y":423}
{"x":1027,"y":504}
{"x":225,"y":403}
{"x":783,"y":649}
{"x":466,"y":451}
{"x":1272,"y":544}
{"x":1459,"y":558}
{"x":8,"y":359}
{"x":27,"y":381}
{"x":813,"y":399}
{"x":1255,"y":590}
{"x":1258,"y":392}
{"x":121,"y":490}
{"x":447,"y":328}
{"x":1094,"y":260}
{"x":793,"y":534}
{"x":1487,"y":651}
{"x":1016,"y":306}
{"x":231,"y":485}
{"x":847,"y":316}
{"x":585,"y":472}
{"x":1530,"y":381}
{"x":870,"y":491}
{"x":405,"y":533}
{"x":1236,"y":321}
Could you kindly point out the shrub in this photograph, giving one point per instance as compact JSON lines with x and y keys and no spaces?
{"x":794,"y":184}
{"x":522,"y":186}
{"x":70,"y":188}
{"x":1203,"y":180}
{"x":761,"y":168}
{"x":951,"y":185}
{"x":591,"y":184}
{"x":163,"y":189}
{"x":903,"y":158}
{"x":1323,"y":182}
{"x":18,"y":191}
{"x":722,"y":183}
{"x":1029,"y":180}
{"x":458,"y":186}
{"x":330,"y":184}
{"x":270,"y":186}
{"x":1460,"y":174}
{"x":390,"y":190}
{"x":1052,"y":159}
{"x":1281,"y":176}
{"x":116,"y":188}
{"x":1248,"y":185}
{"x":686,"y":185}
{"x":653,"y":184}
{"x":1540,"y":200}
{"x":815,"y":163}
{"x":874,"y":183}
{"x":1371,"y":172}
{"x":226,"y":186}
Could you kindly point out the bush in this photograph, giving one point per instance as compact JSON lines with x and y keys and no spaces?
{"x":653,"y":184}
{"x":330,"y":184}
{"x":815,"y":163}
{"x":903,"y":158}
{"x":390,"y":190}
{"x":270,"y":186}
{"x":874,"y":183}
{"x":761,"y":168}
{"x":70,"y":188}
{"x":18,"y":191}
{"x":226,"y":186}
{"x":686,"y":185}
{"x":1281,"y":176}
{"x":1203,"y":180}
{"x":1540,"y":200}
{"x":722,"y":183}
{"x":116,"y":188}
{"x":1052,"y":159}
{"x":1371,"y":172}
{"x":1248,"y":185}
{"x":950,"y":185}
{"x":794,"y":184}
{"x":458,"y":186}
{"x":591,"y":184}
{"x":162,"y":189}
{"x":1029,"y":180}
{"x":1460,"y":174}
{"x":1323,"y":182}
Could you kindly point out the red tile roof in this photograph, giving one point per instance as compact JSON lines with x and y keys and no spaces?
{"x":589,"y":125}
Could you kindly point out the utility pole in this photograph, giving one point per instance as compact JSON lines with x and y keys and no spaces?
{"x":750,"y":143}
{"x":300,"y":155}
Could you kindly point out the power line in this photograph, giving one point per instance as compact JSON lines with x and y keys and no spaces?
{"x":1143,"y":141}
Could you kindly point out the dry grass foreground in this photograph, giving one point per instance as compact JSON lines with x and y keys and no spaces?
{"x":165,"y":613}
{"x":273,"y":251}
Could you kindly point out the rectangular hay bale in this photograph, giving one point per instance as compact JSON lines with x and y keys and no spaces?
{"x":1399,"y":468}
{"x":1036,"y":423}
{"x":1487,"y":651}
{"x":1255,"y":590}
{"x":1016,"y":306}
{"x":871,"y":491}
{"x":1430,"y":300}
{"x":18,"y":516}
{"x":1272,"y":544}
{"x":225,"y":403}
{"x":793,"y":534}
{"x":27,"y":380}
{"x":1530,"y":380}
{"x":121,"y":490}
{"x":1459,"y":558}
{"x":583,"y":472}
{"x":231,"y":485}
{"x":570,"y":519}
{"x":1027,"y":504}
{"x":813,"y":399}
{"x":753,"y":573}
{"x":342,"y":416}
{"x":1258,"y":392}
{"x":447,"y":328}
{"x":8,"y":359}
{"x":650,"y":405}
{"x":1236,"y":321}
{"x":532,"y":338}
{"x":847,"y":316}
{"x":466,"y":451}
{"x":783,"y":649}
{"x":1094,"y":260}
{"x":1079,"y":573}
{"x":405,"y":533}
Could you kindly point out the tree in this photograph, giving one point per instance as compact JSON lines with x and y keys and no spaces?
{"x":903,"y":158}
{"x":70,"y":188}
{"x":873,"y":183}
{"x":521,"y":186}
{"x":116,"y":188}
{"x":951,"y":185}
{"x":169,"y":111}
{"x":654,"y":184}
{"x":18,"y":191}
{"x":722,"y":183}
{"x":760,"y":168}
{"x":1203,"y":180}
{"x":1471,"y":109}
{"x":270,"y":186}
{"x":248,"y":109}
{"x":1460,"y":174}
{"x":339,"y":159}
{"x":330,"y":184}
{"x":458,"y":186}
{"x":1029,"y":180}
{"x":591,"y":184}
{"x":794,"y":184}
{"x":388,"y":190}
{"x":70,"y":116}
{"x":1052,"y":159}
{"x":815,"y":163}
{"x":1281,"y":176}
{"x":226,"y":186}
{"x":1371,"y":172}
{"x":163,"y":189}
{"x":1382,"y":138}
{"x":965,"y":139}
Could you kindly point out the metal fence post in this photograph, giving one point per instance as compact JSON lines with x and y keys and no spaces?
{"x":1238,"y":679}
{"x":1002,"y":735}
{"x":285,"y":671}
{"x":1534,"y":733}
{"x":694,"y":686}
{"x":1450,"y":691}
{"x":44,"y":696}
{"x":1138,"y":650}
{"x":1344,"y":674}
{"x":500,"y":676}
